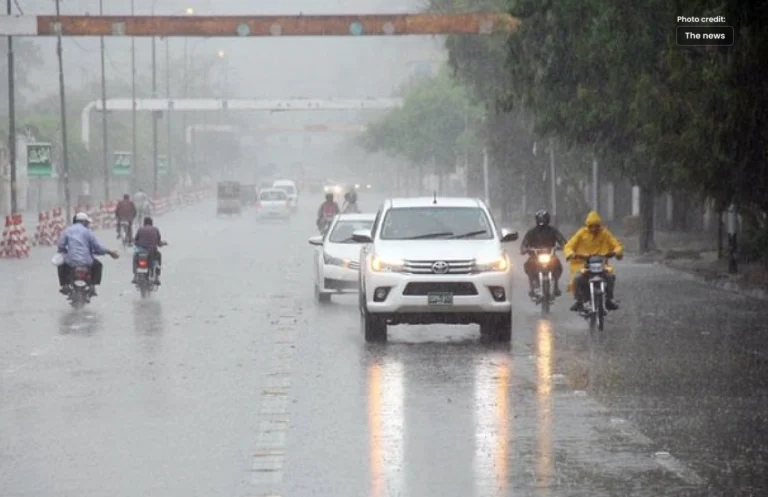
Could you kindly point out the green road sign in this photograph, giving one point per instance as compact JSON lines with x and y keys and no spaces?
{"x":122,"y":166}
{"x":39,"y":160}
{"x":162,"y":164}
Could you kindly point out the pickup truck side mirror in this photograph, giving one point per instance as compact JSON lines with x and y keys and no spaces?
{"x":362,"y":236}
{"x":508,"y":236}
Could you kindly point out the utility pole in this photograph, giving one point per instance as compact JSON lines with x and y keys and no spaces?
{"x":184,"y":91}
{"x":154,"y":117}
{"x":134,"y":158}
{"x":168,"y":96}
{"x":595,"y":185}
{"x":553,"y":179}
{"x":62,"y":98}
{"x":486,"y":180}
{"x":12,"y":120}
{"x":104,"y":152}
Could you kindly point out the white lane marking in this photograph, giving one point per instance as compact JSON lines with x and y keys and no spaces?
{"x":268,"y":463}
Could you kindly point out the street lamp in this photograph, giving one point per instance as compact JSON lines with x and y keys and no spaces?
{"x":225,"y":87}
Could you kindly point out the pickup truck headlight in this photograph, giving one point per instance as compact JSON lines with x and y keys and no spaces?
{"x":497,"y":264}
{"x":379,"y":265}
{"x":334,"y":261}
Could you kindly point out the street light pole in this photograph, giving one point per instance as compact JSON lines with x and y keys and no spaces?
{"x":154,"y":117}
{"x":105,"y":152}
{"x":63,"y":101}
{"x":185,"y":151}
{"x":168,"y":96}
{"x":134,"y":154}
{"x":12,"y":121}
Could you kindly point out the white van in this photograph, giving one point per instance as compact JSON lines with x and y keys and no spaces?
{"x":289,"y":187}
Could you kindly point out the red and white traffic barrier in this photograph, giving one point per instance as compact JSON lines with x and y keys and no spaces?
{"x":50,"y":224}
{"x":15,"y":243}
{"x":107,"y":215}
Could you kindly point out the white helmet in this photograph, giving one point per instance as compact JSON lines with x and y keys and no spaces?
{"x":82,"y":217}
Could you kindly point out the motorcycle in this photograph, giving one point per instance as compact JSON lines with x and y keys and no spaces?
{"x":596,"y":270}
{"x":324,"y":224}
{"x":81,"y":287}
{"x":350,"y":208}
{"x":544,"y":261}
{"x":146,"y":280}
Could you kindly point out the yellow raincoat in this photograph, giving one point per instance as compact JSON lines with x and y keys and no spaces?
{"x":585,"y":242}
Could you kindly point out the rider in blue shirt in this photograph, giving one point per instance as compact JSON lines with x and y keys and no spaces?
{"x":78,"y":244}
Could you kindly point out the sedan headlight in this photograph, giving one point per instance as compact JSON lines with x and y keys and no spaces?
{"x":545,"y":259}
{"x":380,"y":265}
{"x":334,"y":261}
{"x":498,"y":264}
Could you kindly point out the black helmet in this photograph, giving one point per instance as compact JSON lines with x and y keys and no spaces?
{"x":329,"y":197}
{"x":147,"y":221}
{"x":542,"y":218}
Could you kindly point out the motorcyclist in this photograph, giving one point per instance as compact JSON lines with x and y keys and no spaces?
{"x":148,"y":238}
{"x":143,"y":204}
{"x":126,"y":212}
{"x":78,"y":244}
{"x":350,"y":202}
{"x":541,"y":236}
{"x":593,"y":239}
{"x":327,"y":209}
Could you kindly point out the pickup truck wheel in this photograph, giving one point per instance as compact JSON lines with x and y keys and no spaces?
{"x":321,"y":297}
{"x":374,"y":327}
{"x":497,"y":327}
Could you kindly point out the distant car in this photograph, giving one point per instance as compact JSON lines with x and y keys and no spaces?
{"x":336,"y":188}
{"x":289,"y":187}
{"x":337,"y":256}
{"x":435,"y":260}
{"x":273,"y":203}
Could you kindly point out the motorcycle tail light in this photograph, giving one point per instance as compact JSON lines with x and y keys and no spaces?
{"x":81,"y":272}
{"x":142,"y":263}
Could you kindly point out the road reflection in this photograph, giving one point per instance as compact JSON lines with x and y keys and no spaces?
{"x":386,"y":426}
{"x":85,"y":322}
{"x":492,"y":427}
{"x":148,"y":317}
{"x":544,"y":365}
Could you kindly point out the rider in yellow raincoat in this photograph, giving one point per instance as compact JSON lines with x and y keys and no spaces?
{"x":593,"y":239}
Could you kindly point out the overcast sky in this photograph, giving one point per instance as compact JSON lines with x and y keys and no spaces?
{"x":258,"y":67}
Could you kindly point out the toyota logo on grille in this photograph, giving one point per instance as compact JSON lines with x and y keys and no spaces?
{"x":440,"y":267}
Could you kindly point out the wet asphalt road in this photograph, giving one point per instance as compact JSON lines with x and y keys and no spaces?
{"x":232,"y":382}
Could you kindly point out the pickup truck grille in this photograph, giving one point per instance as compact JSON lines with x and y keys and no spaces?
{"x":453,"y":287}
{"x":425,"y":267}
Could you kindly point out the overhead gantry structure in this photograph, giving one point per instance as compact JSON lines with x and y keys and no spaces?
{"x":254,"y":26}
{"x":269,"y":105}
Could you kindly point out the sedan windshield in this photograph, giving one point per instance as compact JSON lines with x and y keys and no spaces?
{"x":273,"y":195}
{"x":411,"y":223}
{"x":290,"y":190}
{"x":342,"y":232}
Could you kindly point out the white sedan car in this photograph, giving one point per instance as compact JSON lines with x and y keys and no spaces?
{"x":337,"y":256}
{"x":273,"y":203}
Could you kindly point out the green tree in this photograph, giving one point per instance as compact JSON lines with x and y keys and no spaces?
{"x":436,"y":124}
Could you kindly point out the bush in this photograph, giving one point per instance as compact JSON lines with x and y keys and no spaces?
{"x":753,"y":245}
